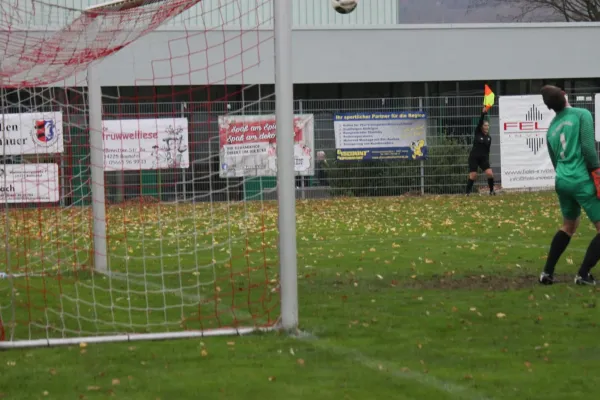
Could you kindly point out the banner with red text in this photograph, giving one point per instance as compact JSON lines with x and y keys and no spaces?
{"x":524,"y":157}
{"x":134,"y":144}
{"x":248,"y":147}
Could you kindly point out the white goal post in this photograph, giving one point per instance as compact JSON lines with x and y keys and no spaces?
{"x":12,"y":332}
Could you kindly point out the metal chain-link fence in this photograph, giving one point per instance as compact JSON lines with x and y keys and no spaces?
{"x":450,"y":127}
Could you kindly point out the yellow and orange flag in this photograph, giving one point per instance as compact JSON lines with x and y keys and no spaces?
{"x":488,"y":97}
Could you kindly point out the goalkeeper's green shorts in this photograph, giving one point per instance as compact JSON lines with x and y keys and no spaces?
{"x":572,"y":197}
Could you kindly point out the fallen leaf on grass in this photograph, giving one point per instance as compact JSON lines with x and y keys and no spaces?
{"x":501,"y":315}
{"x":271,"y":379}
{"x":93,"y":388}
{"x":116,"y":382}
{"x":300,"y":362}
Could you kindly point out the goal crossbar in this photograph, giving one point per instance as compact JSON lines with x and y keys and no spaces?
{"x":121,"y":5}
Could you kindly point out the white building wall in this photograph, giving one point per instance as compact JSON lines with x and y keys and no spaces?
{"x":411,"y":53}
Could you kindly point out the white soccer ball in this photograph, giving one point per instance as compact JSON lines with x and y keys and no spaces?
{"x":344,"y":6}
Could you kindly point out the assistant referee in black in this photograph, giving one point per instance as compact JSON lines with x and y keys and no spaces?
{"x":479,"y":158}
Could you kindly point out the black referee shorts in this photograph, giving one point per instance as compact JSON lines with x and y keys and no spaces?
{"x":476,"y":161}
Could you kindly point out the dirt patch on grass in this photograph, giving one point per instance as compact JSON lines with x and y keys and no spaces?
{"x":479,"y":282}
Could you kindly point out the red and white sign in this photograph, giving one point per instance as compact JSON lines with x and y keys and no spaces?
{"x":597,"y":117}
{"x":248,"y":147}
{"x":135,"y":144}
{"x":31,"y":133}
{"x":524,"y":121}
{"x":29,"y":183}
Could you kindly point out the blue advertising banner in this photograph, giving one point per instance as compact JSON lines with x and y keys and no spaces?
{"x":365,"y":136}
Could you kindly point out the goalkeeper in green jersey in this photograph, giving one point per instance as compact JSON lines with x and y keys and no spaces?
{"x":571,"y":146}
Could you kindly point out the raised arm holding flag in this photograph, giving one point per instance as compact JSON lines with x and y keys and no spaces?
{"x":479,"y":158}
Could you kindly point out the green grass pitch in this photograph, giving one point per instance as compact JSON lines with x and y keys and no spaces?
{"x":400,"y":298}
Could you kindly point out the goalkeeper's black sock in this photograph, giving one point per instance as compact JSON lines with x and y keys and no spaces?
{"x":559,"y":244}
{"x":491,"y":184}
{"x":470,"y":184}
{"x":592,"y":256}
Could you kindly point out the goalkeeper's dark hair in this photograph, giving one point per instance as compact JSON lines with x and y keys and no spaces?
{"x":554,"y":98}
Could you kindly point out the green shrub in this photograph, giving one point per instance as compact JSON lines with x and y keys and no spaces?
{"x":446,"y":166}
{"x":443,"y":172}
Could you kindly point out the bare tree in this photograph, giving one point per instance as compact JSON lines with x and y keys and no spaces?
{"x":546,"y":10}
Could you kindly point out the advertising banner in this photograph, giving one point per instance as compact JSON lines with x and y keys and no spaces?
{"x":29,"y":183}
{"x":136,"y":144}
{"x":31,"y":133}
{"x":248,"y":146}
{"x":524,"y":121}
{"x":367,"y":136}
{"x":597,"y":115}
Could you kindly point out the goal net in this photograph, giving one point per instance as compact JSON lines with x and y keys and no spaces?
{"x":137,"y":172}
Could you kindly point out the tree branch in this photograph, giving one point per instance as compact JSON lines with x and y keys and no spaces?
{"x":548,"y":10}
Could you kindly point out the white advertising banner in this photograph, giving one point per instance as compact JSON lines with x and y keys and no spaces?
{"x":135,"y":144}
{"x":524,"y":121}
{"x":597,"y":115}
{"x":248,"y":147}
{"x":31,"y":133}
{"x":29,"y":183}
